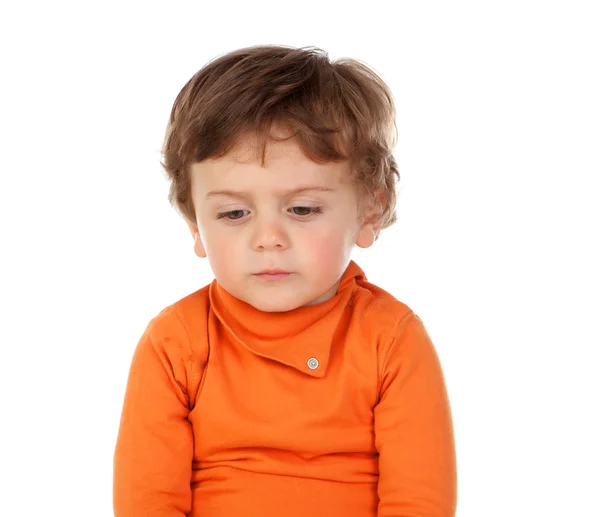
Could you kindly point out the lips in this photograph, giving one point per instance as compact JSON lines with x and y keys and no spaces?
{"x":273,"y":272}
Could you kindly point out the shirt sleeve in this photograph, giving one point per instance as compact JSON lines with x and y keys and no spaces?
{"x":413,"y":428}
{"x":154,"y":450}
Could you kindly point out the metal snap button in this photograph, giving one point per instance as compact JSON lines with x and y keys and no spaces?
{"x":313,"y":363}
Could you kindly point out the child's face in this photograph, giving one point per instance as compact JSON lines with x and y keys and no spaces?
{"x":267,"y":226}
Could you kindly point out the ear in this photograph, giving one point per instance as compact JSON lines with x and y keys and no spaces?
{"x":366,"y":236}
{"x":198,"y":245}
{"x":370,"y":226}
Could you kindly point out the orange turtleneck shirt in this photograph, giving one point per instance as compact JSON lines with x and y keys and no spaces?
{"x":338,"y":409}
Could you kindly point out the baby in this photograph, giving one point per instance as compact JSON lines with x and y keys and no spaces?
{"x":290,"y":385}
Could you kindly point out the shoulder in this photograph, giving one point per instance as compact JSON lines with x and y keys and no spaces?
{"x":178,"y":334}
{"x":183,"y":313}
{"x":386,"y":321}
{"x":378,"y":307}
{"x":183,"y":324}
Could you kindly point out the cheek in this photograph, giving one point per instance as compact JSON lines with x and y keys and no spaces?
{"x":332,"y":234}
{"x":221,"y":250}
{"x":324,"y":248}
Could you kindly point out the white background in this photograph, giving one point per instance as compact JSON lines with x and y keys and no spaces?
{"x":496,"y":246}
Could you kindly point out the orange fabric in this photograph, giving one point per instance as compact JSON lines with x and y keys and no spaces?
{"x":255,"y":431}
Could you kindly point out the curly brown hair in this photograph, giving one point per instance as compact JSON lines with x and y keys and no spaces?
{"x":337,"y":110}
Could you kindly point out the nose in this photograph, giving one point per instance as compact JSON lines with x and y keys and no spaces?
{"x":269,"y":233}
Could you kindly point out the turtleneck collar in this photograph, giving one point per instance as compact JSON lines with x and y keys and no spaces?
{"x":293,"y":337}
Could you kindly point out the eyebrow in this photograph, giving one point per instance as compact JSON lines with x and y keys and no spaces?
{"x":244,"y":195}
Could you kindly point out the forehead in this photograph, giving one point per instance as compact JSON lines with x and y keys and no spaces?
{"x":285,"y":167}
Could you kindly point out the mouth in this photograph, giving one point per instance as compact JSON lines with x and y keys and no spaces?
{"x":272,"y":274}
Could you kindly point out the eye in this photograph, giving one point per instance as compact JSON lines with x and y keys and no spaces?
{"x":232,"y":215}
{"x":303,"y":211}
